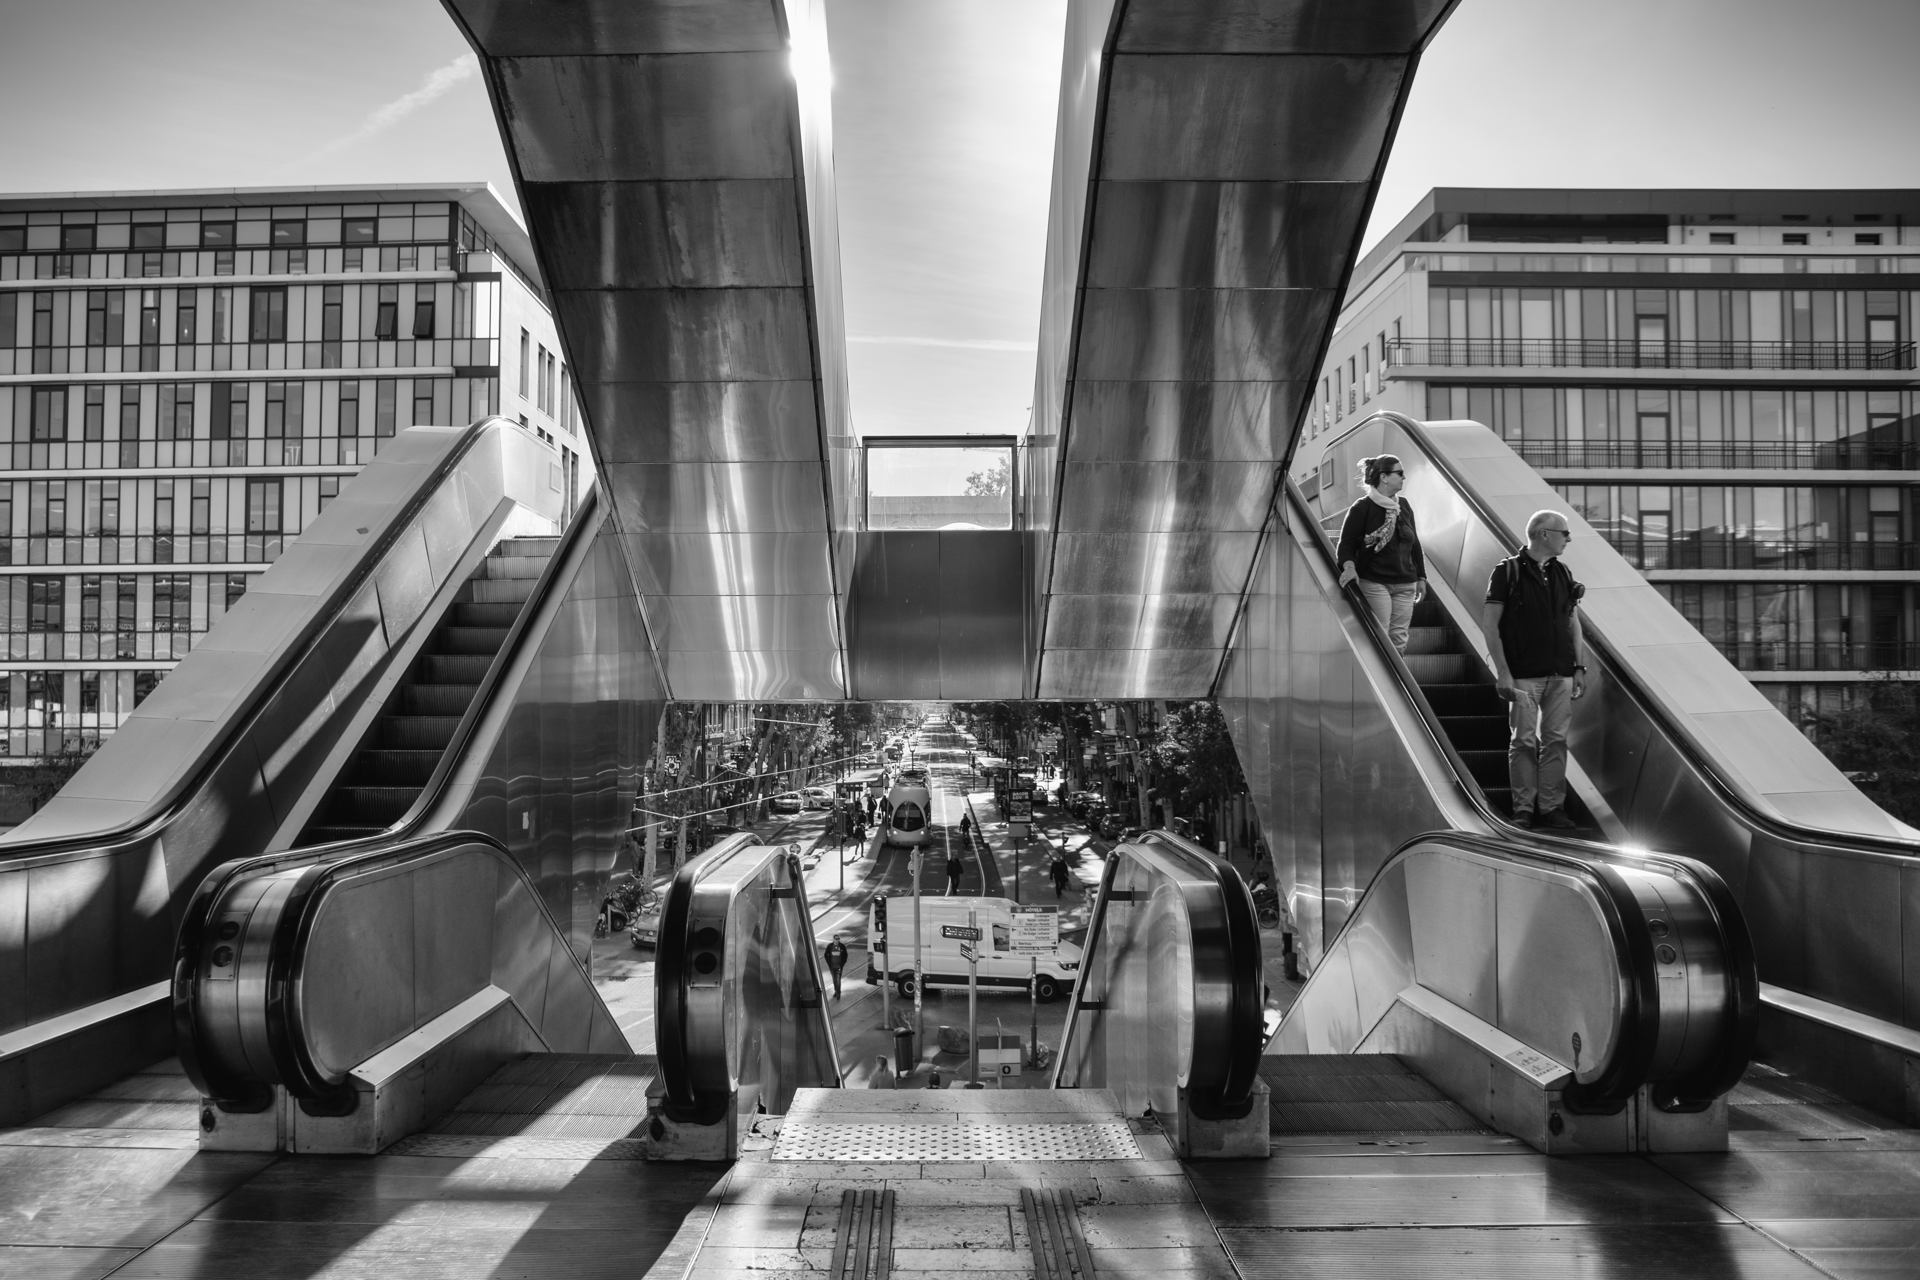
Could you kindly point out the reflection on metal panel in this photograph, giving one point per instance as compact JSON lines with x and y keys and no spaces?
{"x":737,"y":988}
{"x":937,"y":614}
{"x":1168,"y":1009}
{"x":1211,"y":172}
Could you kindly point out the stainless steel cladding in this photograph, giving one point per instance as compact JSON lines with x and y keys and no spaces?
{"x":739,"y":1016}
{"x":209,"y":766}
{"x":1169,"y":1007}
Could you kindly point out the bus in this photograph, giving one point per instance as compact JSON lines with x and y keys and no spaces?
{"x":910,"y":810}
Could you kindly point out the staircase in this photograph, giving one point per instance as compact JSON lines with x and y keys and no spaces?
{"x":404,"y":746}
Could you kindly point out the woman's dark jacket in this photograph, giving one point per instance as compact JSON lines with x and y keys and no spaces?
{"x":1399,"y":561}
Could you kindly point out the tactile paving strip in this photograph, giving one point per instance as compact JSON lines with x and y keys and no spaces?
{"x":877,"y":1143}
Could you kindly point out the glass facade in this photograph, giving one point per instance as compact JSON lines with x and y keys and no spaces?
{"x":183,"y":388}
{"x":1741,"y":423}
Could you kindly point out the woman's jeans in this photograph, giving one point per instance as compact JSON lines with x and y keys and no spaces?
{"x":1538,"y":718}
{"x":1392,"y":604}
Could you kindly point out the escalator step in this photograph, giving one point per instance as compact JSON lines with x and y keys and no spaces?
{"x":418,"y":733}
{"x":469,"y":640}
{"x":330,"y":833}
{"x":1437,"y":668}
{"x":1476,"y":733}
{"x":1430,"y":640}
{"x":379,"y":807}
{"x":423,"y":699}
{"x":471,"y":613}
{"x":455,"y":668}
{"x":497,"y":566}
{"x":1452,"y":698}
{"x":1489,"y":768}
{"x":386,"y":767}
{"x":501,"y":590}
{"x":542,"y":548}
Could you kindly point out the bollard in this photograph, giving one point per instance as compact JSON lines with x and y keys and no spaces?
{"x":904,"y":1060}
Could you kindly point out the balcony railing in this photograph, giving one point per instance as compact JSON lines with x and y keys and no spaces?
{"x":1629,"y":353}
{"x":1745,"y":553}
{"x":1820,"y":655}
{"x":1835,"y":455}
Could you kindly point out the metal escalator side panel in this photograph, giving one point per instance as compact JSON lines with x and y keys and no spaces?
{"x":739,"y":1009}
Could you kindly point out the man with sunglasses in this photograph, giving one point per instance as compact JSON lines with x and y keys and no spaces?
{"x":1539,"y":667}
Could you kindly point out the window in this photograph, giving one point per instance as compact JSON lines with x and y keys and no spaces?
{"x":269,"y":323}
{"x":76,"y":239}
{"x":149,"y":235}
{"x":289,"y":231}
{"x":357,"y":231}
{"x":149,"y":317}
{"x":236,"y":587}
{"x":263,"y":506}
{"x":1719,"y":237}
{"x":94,"y":415}
{"x":89,"y":693}
{"x":526,"y":361}
{"x":49,"y":415}
{"x":172,"y":602}
{"x":46,"y":604}
{"x":216,"y":235}
{"x":176,"y":411}
{"x":185,"y":315}
{"x":1793,"y":237}
{"x":90,"y":603}
{"x":386,"y":324}
{"x":1866,"y":237}
{"x":330,"y":314}
{"x":423,"y":317}
{"x":222,"y":311}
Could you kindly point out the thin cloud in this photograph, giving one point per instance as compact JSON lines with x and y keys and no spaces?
{"x":965,"y":344}
{"x":387,"y":115}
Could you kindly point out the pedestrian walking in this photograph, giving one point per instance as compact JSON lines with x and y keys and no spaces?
{"x":882,"y":1074}
{"x":1380,"y":548}
{"x":1533,"y":607}
{"x":955,"y":869}
{"x":837,"y":960}
{"x":1057,"y":867}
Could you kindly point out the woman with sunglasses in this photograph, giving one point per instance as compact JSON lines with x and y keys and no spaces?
{"x":1380,"y":548}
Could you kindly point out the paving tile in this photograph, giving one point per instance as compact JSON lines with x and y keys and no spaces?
{"x":1183,"y":1262}
{"x":923,"y":1262}
{"x":1144,"y":1226}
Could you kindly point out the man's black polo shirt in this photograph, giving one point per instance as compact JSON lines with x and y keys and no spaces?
{"x":1536,"y":622}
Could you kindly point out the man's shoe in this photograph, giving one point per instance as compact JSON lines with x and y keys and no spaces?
{"x":1522,"y":818}
{"x":1556,"y":819}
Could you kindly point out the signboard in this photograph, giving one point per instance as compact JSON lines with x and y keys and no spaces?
{"x":967,"y":954}
{"x":1002,"y":1051}
{"x":1035,"y":931}
{"x":964,"y":932}
{"x":1020,"y":806}
{"x":1018,"y":830}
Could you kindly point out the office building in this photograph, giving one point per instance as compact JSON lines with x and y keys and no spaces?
{"x":186,"y":378}
{"x":1722,"y":382}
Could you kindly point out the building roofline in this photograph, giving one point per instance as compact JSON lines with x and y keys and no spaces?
{"x":1817,"y":205}
{"x":479,"y":199}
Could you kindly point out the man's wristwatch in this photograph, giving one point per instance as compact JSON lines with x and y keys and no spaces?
{"x":1581,"y":668}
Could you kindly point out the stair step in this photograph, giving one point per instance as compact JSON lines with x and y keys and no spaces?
{"x":379,"y":807}
{"x":1476,"y":733}
{"x":1437,"y":668}
{"x":497,"y":566}
{"x":500,"y":590}
{"x":1432,"y":640}
{"x":542,"y":547}
{"x":1460,"y":698}
{"x":1489,"y":768}
{"x":418,"y":733}
{"x":469,"y":640}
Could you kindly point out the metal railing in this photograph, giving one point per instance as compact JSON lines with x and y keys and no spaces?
{"x":1786,"y":455}
{"x":1634,"y":353}
{"x":1746,"y":553}
{"x":1820,"y":655}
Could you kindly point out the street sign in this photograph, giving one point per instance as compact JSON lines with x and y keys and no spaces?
{"x":1035,"y":931}
{"x":1020,"y":806}
{"x":967,"y":953}
{"x":964,"y":932}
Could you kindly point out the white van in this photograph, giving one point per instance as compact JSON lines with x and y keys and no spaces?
{"x":890,"y":947}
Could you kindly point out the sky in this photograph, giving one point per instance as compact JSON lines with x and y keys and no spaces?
{"x":943,"y":121}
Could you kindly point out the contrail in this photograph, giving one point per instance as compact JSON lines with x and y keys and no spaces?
{"x":388,"y":114}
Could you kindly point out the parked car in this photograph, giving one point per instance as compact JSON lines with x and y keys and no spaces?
{"x":643,"y":926}
{"x":785,"y":802}
{"x":1111,"y":825}
{"x":818,"y":797}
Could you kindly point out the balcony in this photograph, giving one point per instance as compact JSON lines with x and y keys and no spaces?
{"x":1783,"y":555}
{"x":1629,"y":353}
{"x":1780,"y":455}
{"x":1820,"y":655}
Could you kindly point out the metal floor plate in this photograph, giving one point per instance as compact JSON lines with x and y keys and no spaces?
{"x":802,"y":1139}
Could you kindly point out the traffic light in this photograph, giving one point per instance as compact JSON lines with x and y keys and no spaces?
{"x":880,"y":912}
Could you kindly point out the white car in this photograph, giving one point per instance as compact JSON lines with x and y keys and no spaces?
{"x":818,"y":797}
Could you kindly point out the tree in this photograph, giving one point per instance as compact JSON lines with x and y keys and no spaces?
{"x":1196,"y":759}
{"x":1875,"y":739}
{"x":992,"y":482}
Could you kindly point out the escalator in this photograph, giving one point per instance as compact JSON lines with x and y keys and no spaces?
{"x":1672,"y":750}
{"x":400,"y":701}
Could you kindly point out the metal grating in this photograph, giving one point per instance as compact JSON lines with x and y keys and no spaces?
{"x":879,"y":1143}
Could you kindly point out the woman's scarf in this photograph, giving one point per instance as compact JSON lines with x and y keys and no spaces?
{"x":1384,"y":534}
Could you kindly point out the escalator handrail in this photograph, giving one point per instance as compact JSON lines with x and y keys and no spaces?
{"x":1698,"y":756}
{"x":1225,"y":1062}
{"x":160,"y":811}
{"x":1737,"y":1042}
{"x":213,"y":890}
